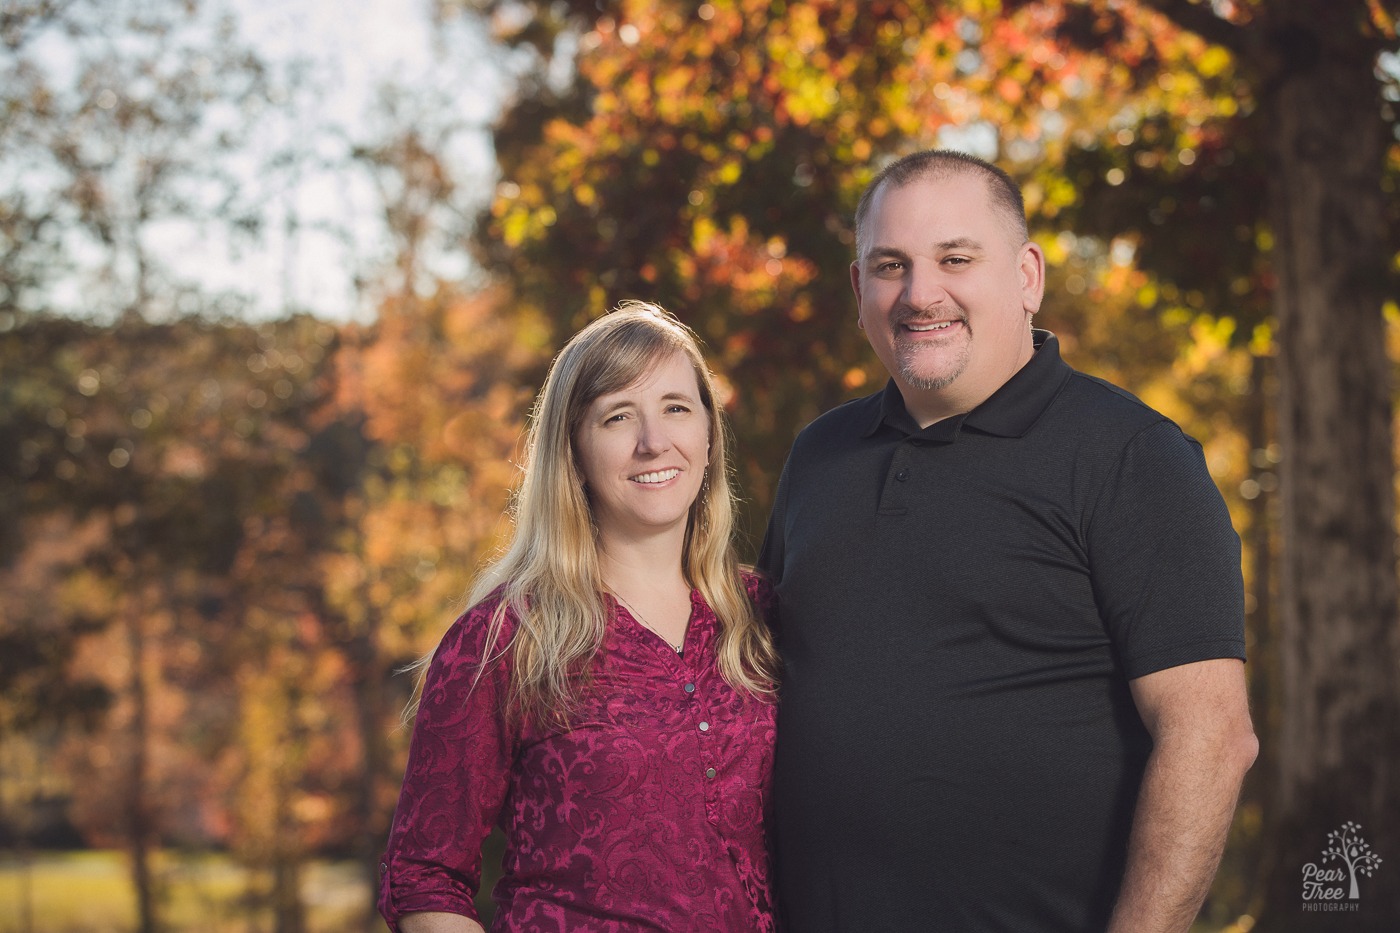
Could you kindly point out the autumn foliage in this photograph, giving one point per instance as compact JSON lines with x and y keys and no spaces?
{"x":219,"y":540}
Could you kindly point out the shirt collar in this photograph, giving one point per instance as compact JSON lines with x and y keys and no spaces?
{"x":1008,"y":412}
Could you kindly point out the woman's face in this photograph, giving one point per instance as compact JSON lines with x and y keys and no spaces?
{"x":643,"y":452}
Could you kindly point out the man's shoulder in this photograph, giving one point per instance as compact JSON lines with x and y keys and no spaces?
{"x":850,"y":419}
{"x":1093,"y":400}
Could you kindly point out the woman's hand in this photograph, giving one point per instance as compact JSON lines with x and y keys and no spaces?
{"x":438,"y":923}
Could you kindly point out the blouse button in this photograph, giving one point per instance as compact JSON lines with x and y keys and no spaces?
{"x":704,"y":727}
{"x":690,"y":688}
{"x":902,"y":475}
{"x":709,"y":772}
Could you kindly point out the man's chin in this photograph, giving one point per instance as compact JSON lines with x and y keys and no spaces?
{"x":923,"y":380}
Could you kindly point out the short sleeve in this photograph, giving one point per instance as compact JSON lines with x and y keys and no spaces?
{"x":458,"y":772}
{"x":771,"y":552}
{"x":760,"y":593}
{"x":1164,"y":557}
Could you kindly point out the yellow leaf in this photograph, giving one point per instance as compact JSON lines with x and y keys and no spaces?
{"x":1213,"y":61}
{"x":514,"y":227}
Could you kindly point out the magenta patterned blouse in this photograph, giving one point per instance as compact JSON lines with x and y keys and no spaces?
{"x":648,"y":814}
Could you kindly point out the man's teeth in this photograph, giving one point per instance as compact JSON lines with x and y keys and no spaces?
{"x":922,"y":328}
{"x":659,"y":477}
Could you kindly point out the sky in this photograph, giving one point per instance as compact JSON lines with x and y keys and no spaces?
{"x":353,"y":48}
{"x":323,"y":244}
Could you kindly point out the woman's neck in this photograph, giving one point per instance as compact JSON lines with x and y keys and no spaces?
{"x":646,"y":577}
{"x":651,"y":565}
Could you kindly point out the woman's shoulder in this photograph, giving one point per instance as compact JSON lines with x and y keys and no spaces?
{"x":489,"y":621}
{"x":759,"y":590}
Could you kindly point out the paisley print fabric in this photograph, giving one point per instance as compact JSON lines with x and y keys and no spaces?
{"x":648,"y":814}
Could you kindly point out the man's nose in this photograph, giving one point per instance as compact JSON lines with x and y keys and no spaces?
{"x":924,"y":288}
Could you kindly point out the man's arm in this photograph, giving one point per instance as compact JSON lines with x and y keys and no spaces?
{"x":1203,"y":743}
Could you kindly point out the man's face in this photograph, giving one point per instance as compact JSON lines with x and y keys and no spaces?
{"x":945,"y":292}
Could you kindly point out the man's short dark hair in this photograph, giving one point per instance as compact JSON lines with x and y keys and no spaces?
{"x":1005,"y":193}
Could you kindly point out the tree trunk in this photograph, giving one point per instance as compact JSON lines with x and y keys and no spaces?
{"x":369,"y":710}
{"x":288,"y":846}
{"x":140,"y":830}
{"x":287,"y":908}
{"x":1248,"y":858}
{"x":1338,"y":755}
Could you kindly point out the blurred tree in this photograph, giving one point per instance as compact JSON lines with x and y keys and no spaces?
{"x":438,"y":386}
{"x":295,"y":756}
{"x":41,"y":694}
{"x":116,"y":119}
{"x":124,"y":125}
{"x":147,"y":456}
{"x":436,"y":383}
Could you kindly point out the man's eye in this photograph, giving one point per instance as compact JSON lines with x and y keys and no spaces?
{"x":891,"y":266}
{"x":957,"y":260}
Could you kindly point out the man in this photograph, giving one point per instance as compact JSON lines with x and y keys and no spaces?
{"x":1010,"y":610}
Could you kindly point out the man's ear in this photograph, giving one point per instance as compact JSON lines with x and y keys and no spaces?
{"x":855,"y":287}
{"x":1032,"y":268}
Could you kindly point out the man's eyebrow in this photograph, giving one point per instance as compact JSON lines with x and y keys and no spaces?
{"x":961,"y":242}
{"x":967,"y":243}
{"x":885,"y":252}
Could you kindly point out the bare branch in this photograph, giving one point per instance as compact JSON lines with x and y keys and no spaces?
{"x":1202,"y":20}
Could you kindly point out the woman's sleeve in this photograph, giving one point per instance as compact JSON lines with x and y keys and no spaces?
{"x":459,"y":764}
{"x":764,"y":599}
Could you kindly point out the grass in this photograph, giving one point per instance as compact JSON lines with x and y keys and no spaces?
{"x":90,"y":892}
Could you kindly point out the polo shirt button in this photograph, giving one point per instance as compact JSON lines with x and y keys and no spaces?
{"x":690,"y":688}
{"x":902,"y":475}
{"x":709,"y":772}
{"x":704,"y":727}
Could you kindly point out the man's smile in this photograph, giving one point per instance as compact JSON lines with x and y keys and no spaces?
{"x":931,"y":327}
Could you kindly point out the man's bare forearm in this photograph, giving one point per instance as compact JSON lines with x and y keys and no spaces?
{"x":1203,"y":745}
{"x":1179,"y":832}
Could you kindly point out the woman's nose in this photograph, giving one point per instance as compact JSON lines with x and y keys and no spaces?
{"x":651,"y":437}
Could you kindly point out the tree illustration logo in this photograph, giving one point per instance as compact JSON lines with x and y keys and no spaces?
{"x":1335,"y":883}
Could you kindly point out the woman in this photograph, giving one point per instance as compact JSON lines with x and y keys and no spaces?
{"x":607,"y":699}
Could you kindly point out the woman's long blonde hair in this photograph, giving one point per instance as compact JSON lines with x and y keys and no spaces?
{"x":549,"y":576}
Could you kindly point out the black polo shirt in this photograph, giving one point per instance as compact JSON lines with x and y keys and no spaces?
{"x":960,"y":611}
